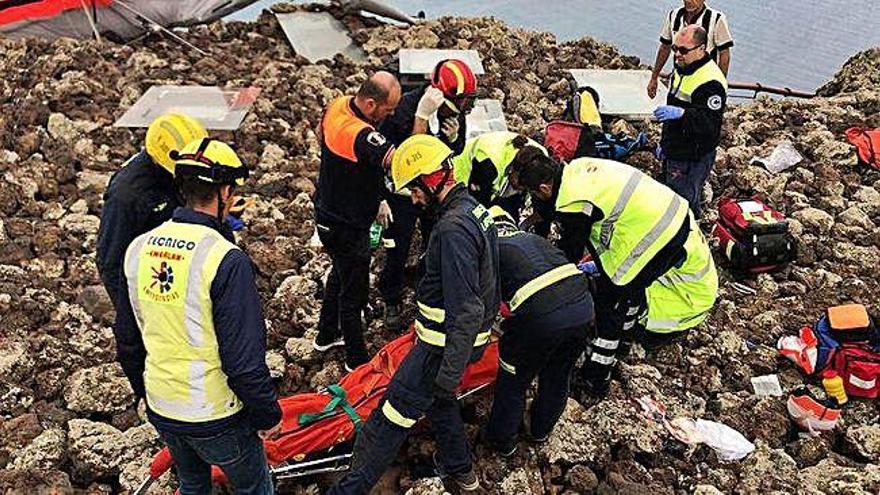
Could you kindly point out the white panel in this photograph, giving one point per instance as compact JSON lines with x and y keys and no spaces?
{"x":318,"y":35}
{"x":422,"y":61}
{"x":216,"y":108}
{"x":487,"y":116}
{"x":622,"y":92}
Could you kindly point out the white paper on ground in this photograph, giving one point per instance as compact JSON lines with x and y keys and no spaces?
{"x":729,"y":444}
{"x":783,"y":157}
{"x":767,"y":385}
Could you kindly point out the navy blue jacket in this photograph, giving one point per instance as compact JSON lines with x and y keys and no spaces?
{"x":565,"y":304}
{"x":140,"y":197}
{"x":461,"y":276}
{"x":241,"y":337}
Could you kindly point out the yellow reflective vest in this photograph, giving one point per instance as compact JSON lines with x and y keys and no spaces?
{"x":494,"y":146}
{"x":169,"y":271}
{"x":683,"y":297}
{"x":682,"y":87}
{"x":641,"y":215}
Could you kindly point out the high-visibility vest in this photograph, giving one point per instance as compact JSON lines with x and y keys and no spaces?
{"x":494,"y":146}
{"x":340,"y":128}
{"x":641,"y":215}
{"x":683,"y":86}
{"x":683,"y":297}
{"x":169,"y":271}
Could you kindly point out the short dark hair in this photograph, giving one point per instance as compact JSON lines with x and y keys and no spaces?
{"x":533,"y":168}
{"x":700,"y":36}
{"x":196,"y":192}
{"x":373,"y":90}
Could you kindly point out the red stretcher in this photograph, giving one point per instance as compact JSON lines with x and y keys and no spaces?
{"x":314,"y":425}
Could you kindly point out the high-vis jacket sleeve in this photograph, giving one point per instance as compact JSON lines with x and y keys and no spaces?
{"x":460,"y":255}
{"x":241,"y":336}
{"x":704,"y":118}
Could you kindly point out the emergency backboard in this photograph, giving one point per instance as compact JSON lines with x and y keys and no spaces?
{"x":421,"y":61}
{"x":318,"y":36}
{"x":622,"y":92}
{"x":486,"y":116}
{"x":216,"y":108}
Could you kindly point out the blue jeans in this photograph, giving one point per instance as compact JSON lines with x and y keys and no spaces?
{"x":687,"y":178}
{"x":411,"y":393}
{"x":238,"y":451}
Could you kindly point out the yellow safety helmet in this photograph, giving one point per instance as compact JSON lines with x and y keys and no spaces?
{"x":211,"y":161}
{"x":171,"y":132}
{"x":421,"y":154}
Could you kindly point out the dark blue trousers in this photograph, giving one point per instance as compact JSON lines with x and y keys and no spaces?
{"x":687,"y":178}
{"x":410,"y":396}
{"x":527,"y":352}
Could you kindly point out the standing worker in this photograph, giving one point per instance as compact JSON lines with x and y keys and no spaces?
{"x":458,"y":299}
{"x":692,"y":117}
{"x":550,"y":314}
{"x":445,"y":103}
{"x":483,"y":167}
{"x":191,"y":336}
{"x":141,"y":195}
{"x":634,"y":228}
{"x":354,"y":156}
{"x":693,"y":13}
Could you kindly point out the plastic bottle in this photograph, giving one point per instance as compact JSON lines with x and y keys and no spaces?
{"x":833,"y":384}
{"x":375,"y":235}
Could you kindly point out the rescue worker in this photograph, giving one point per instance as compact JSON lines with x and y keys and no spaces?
{"x":692,"y":117}
{"x":483,"y":167}
{"x":458,"y":299}
{"x":444,"y":104}
{"x":354,"y":156}
{"x":719,"y":41}
{"x":551,"y":310}
{"x":191,"y":336}
{"x":634,"y":228}
{"x":141,"y":195}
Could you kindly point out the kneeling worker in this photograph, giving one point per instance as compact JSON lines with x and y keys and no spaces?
{"x":551,"y":310}
{"x":635,"y":229}
{"x":190,"y":335}
{"x":458,"y":299}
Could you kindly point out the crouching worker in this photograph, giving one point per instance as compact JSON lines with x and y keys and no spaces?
{"x":458,"y":299}
{"x":634,"y":228}
{"x":550,"y":312}
{"x":190,"y":333}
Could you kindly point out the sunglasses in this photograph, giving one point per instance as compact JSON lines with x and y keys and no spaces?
{"x":685,"y":50}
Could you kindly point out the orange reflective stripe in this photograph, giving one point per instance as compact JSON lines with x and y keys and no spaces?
{"x":340,"y":128}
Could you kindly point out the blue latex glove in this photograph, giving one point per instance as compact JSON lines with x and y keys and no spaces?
{"x":588,"y":267}
{"x":234,"y":222}
{"x":659,"y":153}
{"x":668,"y":112}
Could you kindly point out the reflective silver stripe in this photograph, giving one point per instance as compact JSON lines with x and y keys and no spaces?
{"x":192,"y":308}
{"x":606,"y":344}
{"x":632,"y":310}
{"x":132,"y":268}
{"x":606,"y":360}
{"x":666,"y":324}
{"x":628,"y":325}
{"x":648,"y":240}
{"x":608,"y":224}
{"x":674,"y":278}
{"x":506,"y":366}
{"x":198,"y":391}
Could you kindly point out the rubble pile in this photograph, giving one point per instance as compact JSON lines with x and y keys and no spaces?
{"x":67,"y":417}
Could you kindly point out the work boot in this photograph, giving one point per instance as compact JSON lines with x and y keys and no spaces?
{"x":392,"y":317}
{"x":323,"y":344}
{"x":505,"y":449}
{"x":466,"y":482}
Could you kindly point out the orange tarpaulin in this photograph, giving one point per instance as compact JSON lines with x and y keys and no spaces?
{"x":24,"y":10}
{"x":363,"y":388}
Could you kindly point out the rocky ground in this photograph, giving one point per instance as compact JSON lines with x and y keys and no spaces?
{"x":66,"y":414}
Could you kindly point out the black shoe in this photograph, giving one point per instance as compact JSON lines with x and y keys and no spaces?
{"x":392,"y":317}
{"x":504,"y":449}
{"x":324,"y":344}
{"x":352,"y":364}
{"x":537,"y":440}
{"x":461,"y":482}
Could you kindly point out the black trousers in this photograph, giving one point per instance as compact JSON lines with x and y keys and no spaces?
{"x":401,"y":231}
{"x":526,"y":352}
{"x":347,"y":290}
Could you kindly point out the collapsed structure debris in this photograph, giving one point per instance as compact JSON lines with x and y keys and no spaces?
{"x":65,"y":420}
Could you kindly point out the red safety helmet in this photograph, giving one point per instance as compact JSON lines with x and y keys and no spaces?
{"x":454,"y":78}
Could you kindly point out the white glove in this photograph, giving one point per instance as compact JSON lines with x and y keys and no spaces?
{"x":429,"y":103}
{"x":385,"y":217}
{"x":449,"y":128}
